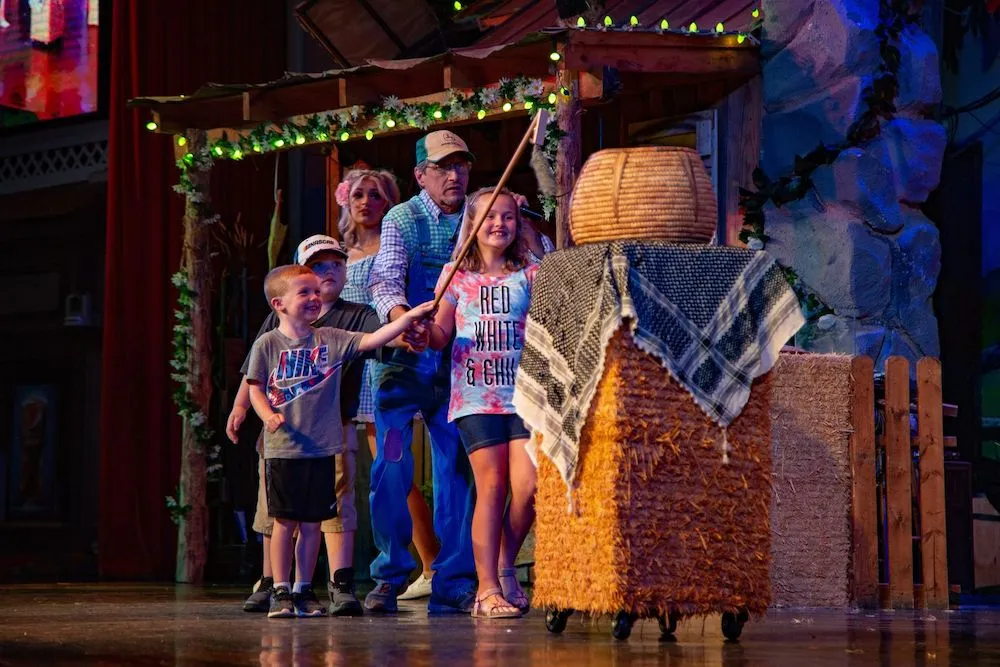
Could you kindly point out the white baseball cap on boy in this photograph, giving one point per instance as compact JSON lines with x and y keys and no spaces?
{"x":315,"y":244}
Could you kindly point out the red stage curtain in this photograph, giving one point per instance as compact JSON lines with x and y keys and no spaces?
{"x":162,"y":48}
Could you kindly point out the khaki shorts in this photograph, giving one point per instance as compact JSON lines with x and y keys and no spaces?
{"x":346,"y":468}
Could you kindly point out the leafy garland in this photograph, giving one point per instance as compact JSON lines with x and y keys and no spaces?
{"x":183,"y":334}
{"x":880,"y":100}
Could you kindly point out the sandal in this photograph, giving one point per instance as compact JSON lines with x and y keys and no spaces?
{"x":498,"y":608}
{"x":513,"y":593}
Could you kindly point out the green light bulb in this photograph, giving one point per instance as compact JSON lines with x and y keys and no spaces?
{"x":182,"y":141}
{"x":279,"y":143}
{"x":608,"y":22}
{"x":151,"y":126}
{"x":507,"y":106}
{"x":552,"y":98}
{"x":345,"y":135}
{"x":481,"y":114}
{"x":237,"y":154}
{"x":554,"y":56}
{"x":664,"y":24}
{"x":438,"y":115}
{"x":719,"y":27}
{"x":755,"y":13}
{"x":369,"y":135}
{"x":457,"y":6}
{"x":390,"y":123}
{"x":693,"y":27}
{"x":529,"y":104}
{"x":300,"y":140}
{"x":218,"y":150}
{"x":741,"y":38}
{"x":633,"y":21}
{"x":581,"y":22}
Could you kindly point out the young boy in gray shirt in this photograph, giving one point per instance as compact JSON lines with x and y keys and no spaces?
{"x":294,"y":378}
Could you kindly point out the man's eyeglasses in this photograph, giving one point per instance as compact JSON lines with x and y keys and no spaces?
{"x":459,"y":167}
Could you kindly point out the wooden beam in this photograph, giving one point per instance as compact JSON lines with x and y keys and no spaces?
{"x":930,"y":436}
{"x":568,"y":157}
{"x":743,"y":113}
{"x":898,"y":473}
{"x":651,"y":52}
{"x":864,"y":516}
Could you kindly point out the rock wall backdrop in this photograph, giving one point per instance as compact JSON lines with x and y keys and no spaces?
{"x":856,"y":238}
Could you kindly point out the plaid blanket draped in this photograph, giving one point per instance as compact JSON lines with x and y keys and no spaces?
{"x":717,"y":317}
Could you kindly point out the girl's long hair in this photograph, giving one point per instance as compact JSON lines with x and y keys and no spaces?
{"x":516,"y":255}
{"x":385,"y":183}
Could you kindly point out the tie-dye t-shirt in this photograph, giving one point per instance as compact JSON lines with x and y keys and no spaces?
{"x":490,"y":313}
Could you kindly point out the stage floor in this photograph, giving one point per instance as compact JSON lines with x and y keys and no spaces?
{"x":118,"y":624}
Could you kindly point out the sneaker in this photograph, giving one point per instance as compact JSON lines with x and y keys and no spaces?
{"x":343,"y":601}
{"x":420,"y":588}
{"x":456,"y":602}
{"x":259,"y":601}
{"x":306,"y":604}
{"x":282,"y":605}
{"x":382,"y":600}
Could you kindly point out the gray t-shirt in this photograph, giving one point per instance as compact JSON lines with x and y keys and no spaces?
{"x":301,"y":379}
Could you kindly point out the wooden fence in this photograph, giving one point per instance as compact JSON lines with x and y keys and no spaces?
{"x":898,"y":505}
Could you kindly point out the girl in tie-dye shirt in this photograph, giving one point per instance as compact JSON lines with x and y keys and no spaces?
{"x":485,"y":306}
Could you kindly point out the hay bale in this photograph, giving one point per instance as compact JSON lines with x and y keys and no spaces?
{"x":659,"y":521}
{"x":811,"y":505}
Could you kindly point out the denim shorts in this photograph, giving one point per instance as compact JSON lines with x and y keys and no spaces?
{"x":480,"y":431}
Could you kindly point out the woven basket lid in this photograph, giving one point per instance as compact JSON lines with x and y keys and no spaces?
{"x":658,"y":193}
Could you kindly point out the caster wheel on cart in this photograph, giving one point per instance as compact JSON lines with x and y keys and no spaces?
{"x":555,"y":620}
{"x":668,"y":625}
{"x":622,"y":626}
{"x":732,"y":624}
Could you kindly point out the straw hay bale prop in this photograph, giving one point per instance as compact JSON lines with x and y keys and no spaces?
{"x":811,"y":504}
{"x":660,"y":523}
{"x":650,"y":193}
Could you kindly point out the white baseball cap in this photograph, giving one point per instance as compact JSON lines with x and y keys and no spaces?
{"x":318,"y":243}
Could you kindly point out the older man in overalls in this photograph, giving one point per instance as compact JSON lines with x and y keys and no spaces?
{"x":418,"y":238}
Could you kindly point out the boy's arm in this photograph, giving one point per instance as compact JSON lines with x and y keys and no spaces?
{"x":371,"y":341}
{"x":272,"y":420}
{"x":242,"y":401}
{"x":239,"y":412}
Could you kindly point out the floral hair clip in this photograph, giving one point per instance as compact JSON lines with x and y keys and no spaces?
{"x":343,"y":193}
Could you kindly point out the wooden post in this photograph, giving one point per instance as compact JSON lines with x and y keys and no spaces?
{"x":744,"y":113}
{"x":192,"y":538}
{"x":864,"y":522}
{"x":898,"y":465}
{"x":930,"y":439}
{"x":334,"y":172}
{"x":568,"y":157}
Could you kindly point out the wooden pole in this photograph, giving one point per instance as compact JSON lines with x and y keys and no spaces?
{"x":864,"y":519}
{"x":192,"y":538}
{"x":744,"y":111}
{"x":930,"y":439}
{"x":898,"y":473}
{"x":535,"y":134}
{"x":568,"y":157}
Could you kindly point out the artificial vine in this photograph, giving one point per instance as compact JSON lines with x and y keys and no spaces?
{"x":183,"y":331}
{"x":880,"y":104}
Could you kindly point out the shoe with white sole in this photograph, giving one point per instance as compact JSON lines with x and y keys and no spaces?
{"x":421,"y":588}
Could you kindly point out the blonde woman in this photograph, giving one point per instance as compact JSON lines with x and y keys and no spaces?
{"x":365,"y":196}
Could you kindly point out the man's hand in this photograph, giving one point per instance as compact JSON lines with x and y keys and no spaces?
{"x":236,"y":418}
{"x":274,"y":422}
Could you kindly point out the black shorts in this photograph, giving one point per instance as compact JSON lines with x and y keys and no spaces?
{"x":478,"y":431}
{"x":301,"y":489}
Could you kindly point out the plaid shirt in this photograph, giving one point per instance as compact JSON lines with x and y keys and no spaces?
{"x":388,"y":276}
